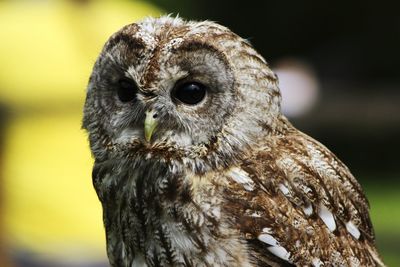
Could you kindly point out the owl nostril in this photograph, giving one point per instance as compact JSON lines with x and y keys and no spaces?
{"x":150,"y":124}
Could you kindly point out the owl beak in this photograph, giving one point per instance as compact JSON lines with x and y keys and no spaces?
{"x":150,"y":124}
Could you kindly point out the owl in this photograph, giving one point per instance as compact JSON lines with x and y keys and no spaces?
{"x":195,"y":165}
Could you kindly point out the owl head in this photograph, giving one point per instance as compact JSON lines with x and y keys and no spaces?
{"x":179,"y":90}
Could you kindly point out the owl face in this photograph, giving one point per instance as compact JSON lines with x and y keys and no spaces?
{"x":180,"y":85}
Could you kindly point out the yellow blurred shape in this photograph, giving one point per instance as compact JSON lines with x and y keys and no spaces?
{"x":47,"y":51}
{"x":48,"y":48}
{"x":50,"y":199}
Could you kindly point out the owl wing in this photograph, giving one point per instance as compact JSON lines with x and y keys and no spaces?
{"x":296,"y":203}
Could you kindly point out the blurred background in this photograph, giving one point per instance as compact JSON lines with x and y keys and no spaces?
{"x":338,"y":65}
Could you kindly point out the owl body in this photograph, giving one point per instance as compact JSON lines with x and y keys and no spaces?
{"x":196,"y":166}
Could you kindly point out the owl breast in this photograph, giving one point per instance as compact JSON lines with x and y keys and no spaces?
{"x":153,"y":217}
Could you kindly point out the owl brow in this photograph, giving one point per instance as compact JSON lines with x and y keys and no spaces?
{"x":115,"y":63}
{"x":133,"y":43}
{"x":196,"y":45}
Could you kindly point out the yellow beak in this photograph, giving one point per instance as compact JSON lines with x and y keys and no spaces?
{"x":150,"y":124}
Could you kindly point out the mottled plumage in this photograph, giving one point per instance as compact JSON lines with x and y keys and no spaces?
{"x":216,"y":176}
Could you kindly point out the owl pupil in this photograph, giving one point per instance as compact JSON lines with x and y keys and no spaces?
{"x":126,"y":90}
{"x":190,"y":93}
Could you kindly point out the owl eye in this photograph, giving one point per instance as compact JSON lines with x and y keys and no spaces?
{"x":126,"y":90}
{"x":190,"y":93}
